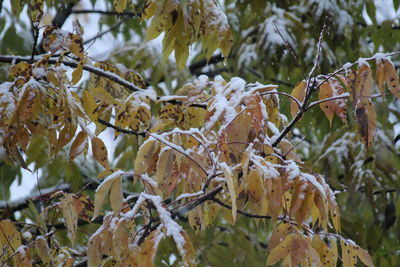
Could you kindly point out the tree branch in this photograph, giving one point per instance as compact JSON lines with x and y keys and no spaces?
{"x":105,"y":12}
{"x":70,"y":63}
{"x":246,"y":214}
{"x":309,"y":90}
{"x":118,"y":129}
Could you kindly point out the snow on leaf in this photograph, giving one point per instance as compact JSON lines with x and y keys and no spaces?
{"x":23,"y":258}
{"x":174,"y":230}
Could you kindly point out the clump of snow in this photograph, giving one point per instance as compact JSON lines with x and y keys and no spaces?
{"x":7,"y":100}
{"x":347,"y":66}
{"x":361,"y":61}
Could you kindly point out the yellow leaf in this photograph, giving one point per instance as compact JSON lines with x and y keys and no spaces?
{"x":165,"y":165}
{"x":111,"y":185}
{"x":10,"y":238}
{"x":325,"y":91}
{"x":77,"y":74}
{"x":228,"y":175}
{"x":66,"y":135}
{"x":298,"y":92}
{"x":144,"y":158}
{"x":116,"y":196}
{"x":348,"y":254}
{"x":281,"y":251}
{"x":70,"y":216}
{"x":99,"y":151}
{"x":79,"y":145}
{"x":366,"y":119}
{"x":36,"y":10}
{"x":75,"y":44}
{"x":381,"y":75}
{"x":327,"y":256}
{"x":21,"y":69}
{"x":392,"y":79}
{"x":89,"y":105}
{"x":43,"y":250}
{"x":120,"y":5}
{"x":365,"y":111}
{"x":279,"y":234}
{"x":23,"y":258}
{"x":363,"y":255}
{"x":255,"y":186}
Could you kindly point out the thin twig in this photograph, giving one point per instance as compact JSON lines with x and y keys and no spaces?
{"x":246,"y":214}
{"x":342,"y":96}
{"x":290,"y":50}
{"x":118,"y":129}
{"x":309,"y":90}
